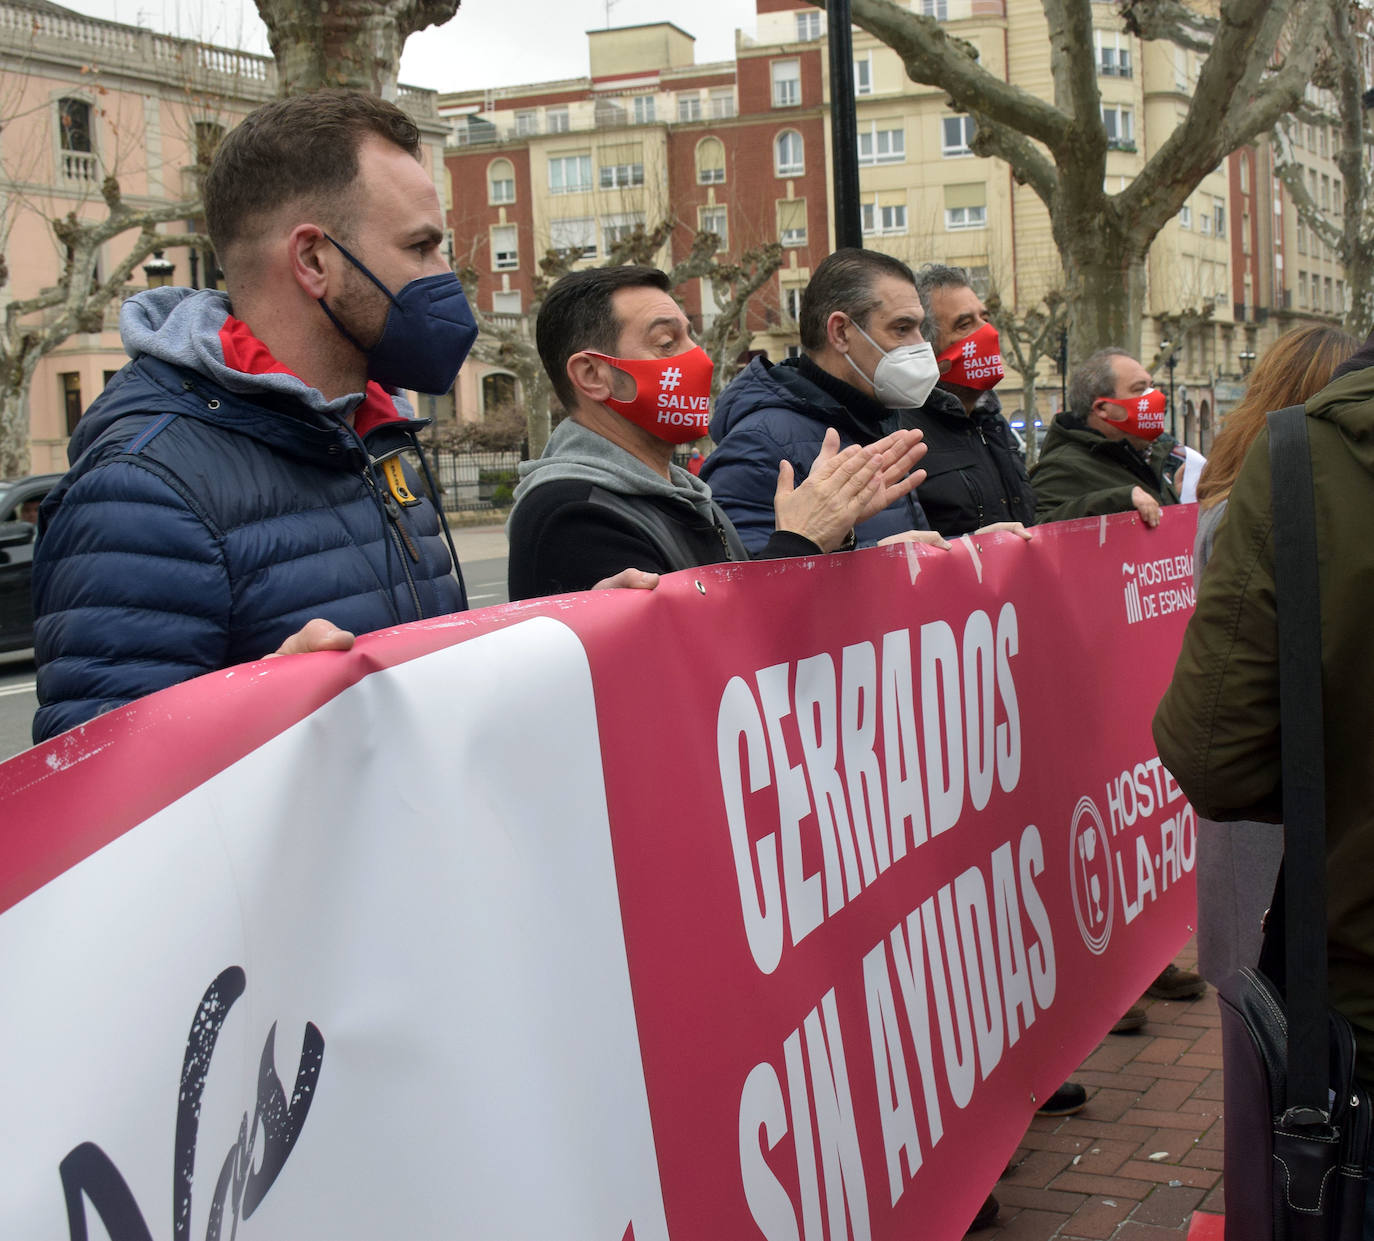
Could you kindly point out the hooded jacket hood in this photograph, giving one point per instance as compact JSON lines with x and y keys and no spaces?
{"x":202,"y":362}
{"x":1348,"y":404}
{"x":574,"y":452}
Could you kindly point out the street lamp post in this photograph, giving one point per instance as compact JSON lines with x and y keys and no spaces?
{"x":1063,"y":370}
{"x":1168,"y":347}
{"x":1247,"y":359}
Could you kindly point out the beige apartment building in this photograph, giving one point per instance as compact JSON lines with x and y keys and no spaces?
{"x":83,"y":99}
{"x":763,"y":120}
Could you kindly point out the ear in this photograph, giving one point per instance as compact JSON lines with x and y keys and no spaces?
{"x":837,"y":331}
{"x":306,"y":247}
{"x":590,"y":376}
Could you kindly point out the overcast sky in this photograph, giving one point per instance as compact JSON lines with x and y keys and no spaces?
{"x":489,"y":42}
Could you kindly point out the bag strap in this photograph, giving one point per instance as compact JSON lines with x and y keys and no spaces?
{"x":1298,"y":605}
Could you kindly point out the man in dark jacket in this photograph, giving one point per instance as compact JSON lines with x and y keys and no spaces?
{"x":859,"y":313}
{"x":975,"y":474}
{"x":606,"y":499}
{"x":1109,"y":453}
{"x":236,"y":491}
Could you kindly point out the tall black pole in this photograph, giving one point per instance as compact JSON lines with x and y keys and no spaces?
{"x":844,"y":126}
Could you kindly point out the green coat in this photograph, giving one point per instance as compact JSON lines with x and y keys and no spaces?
{"x":1082,"y":473}
{"x":1218,"y":726}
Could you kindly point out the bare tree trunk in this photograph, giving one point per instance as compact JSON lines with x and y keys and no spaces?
{"x":1109,"y":291}
{"x":14,"y":415}
{"x":1028,"y":409}
{"x":351,"y":43}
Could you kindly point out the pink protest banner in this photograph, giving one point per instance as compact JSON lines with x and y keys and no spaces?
{"x":767,"y":903}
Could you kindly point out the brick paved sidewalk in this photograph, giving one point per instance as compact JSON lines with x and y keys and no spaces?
{"x":1146,"y":1151}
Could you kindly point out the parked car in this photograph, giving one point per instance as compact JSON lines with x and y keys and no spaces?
{"x":19,"y":502}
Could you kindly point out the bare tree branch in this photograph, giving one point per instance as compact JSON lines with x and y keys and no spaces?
{"x":1028,"y":163}
{"x":1168,"y":21}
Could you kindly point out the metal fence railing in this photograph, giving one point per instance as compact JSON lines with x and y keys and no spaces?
{"x":473,"y":481}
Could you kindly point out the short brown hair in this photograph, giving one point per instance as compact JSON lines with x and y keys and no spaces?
{"x":579,"y":313}
{"x":844,"y":281}
{"x":304,"y":147}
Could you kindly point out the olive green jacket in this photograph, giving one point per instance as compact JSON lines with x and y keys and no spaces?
{"x":1218,"y":726}
{"x":1082,"y":473}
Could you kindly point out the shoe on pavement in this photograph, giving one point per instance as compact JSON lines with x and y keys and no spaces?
{"x":1132,"y":1019}
{"x":987,"y":1214}
{"x":1176,"y":984}
{"x":1069,"y":1099}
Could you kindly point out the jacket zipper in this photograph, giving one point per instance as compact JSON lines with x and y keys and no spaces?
{"x":393,"y":513}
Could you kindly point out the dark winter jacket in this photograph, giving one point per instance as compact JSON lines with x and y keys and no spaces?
{"x":974,"y":471}
{"x":1082,"y":473}
{"x":774,"y":413}
{"x":1218,"y":726}
{"x":212,"y":511}
{"x":588,"y":509}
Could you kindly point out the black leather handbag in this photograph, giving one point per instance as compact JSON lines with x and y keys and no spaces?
{"x":1296,"y":1121}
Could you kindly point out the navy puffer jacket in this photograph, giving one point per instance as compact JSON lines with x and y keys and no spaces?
{"x":207,"y":517}
{"x":773,"y":413}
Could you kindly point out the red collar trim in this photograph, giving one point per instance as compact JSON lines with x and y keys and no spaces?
{"x":244,"y":352}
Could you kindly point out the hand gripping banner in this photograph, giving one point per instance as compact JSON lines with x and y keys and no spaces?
{"x":768,"y":903}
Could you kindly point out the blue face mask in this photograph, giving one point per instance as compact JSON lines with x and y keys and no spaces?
{"x":429,"y":330}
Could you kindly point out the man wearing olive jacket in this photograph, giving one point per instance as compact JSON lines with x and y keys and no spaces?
{"x":1108,"y":453}
{"x":1218,"y":726}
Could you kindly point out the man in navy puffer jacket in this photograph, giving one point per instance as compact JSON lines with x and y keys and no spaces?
{"x":235,"y":492}
{"x":860,"y":305}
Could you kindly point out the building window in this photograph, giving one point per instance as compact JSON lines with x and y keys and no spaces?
{"x":1219,"y":218}
{"x":1336,"y":194}
{"x":526,"y":123}
{"x":882,"y":146}
{"x":1323,"y":135}
{"x":1326,"y":191}
{"x":208,"y":137}
{"x":70,"y":382}
{"x":710,"y":161}
{"x":75,"y":136}
{"x":1330,"y":303}
{"x":880,"y":220}
{"x":957,"y":135}
{"x":620,"y":176}
{"x":863,"y":74}
{"x":793,"y":351}
{"x":786,"y":83}
{"x":1302,"y":289}
{"x":578,"y":236}
{"x":505,"y":248}
{"x":966,"y":206}
{"x":570,"y":174}
{"x":791,"y":301}
{"x":938,"y":9}
{"x":644,"y":110}
{"x":957,"y":218}
{"x":710,"y":309}
{"x":507,"y":302}
{"x":689,"y":106}
{"x":808,"y":26}
{"x":723,"y":102}
{"x":500,"y":181}
{"x":1119,"y":123}
{"x":556,"y":120}
{"x":1302,"y":236}
{"x":789,"y":159}
{"x":1244,"y":174}
{"x":1205,"y":220}
{"x":1185,"y":216}
{"x":792,"y":221}
{"x":618,"y":228}
{"x":1113,"y":54}
{"x":715,"y":220}
{"x":498,"y":389}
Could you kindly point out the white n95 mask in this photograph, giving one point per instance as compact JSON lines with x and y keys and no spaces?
{"x":904,"y":376}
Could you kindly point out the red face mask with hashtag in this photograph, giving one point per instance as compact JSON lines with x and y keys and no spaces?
{"x":1144,"y":413}
{"x":672,"y":400}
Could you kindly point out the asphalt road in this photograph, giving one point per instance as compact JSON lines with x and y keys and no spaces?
{"x":481,"y":552}
{"x":17,"y":702}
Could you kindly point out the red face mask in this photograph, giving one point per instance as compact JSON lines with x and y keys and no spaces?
{"x":1144,"y":413}
{"x":672,"y":399}
{"x":977,"y":360}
